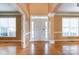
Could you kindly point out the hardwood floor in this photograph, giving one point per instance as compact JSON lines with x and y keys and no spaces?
{"x":36,"y":48}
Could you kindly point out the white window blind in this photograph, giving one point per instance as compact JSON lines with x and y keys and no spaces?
{"x":70,"y":26}
{"x":7,"y":26}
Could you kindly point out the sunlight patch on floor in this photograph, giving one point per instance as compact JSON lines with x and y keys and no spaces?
{"x":71,"y":50}
{"x":8,"y":50}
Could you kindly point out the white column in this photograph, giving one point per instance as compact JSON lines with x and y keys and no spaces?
{"x":51,"y":15}
{"x":23,"y":27}
{"x":23,"y":35}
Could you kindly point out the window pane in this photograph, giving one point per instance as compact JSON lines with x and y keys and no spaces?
{"x":7,"y":26}
{"x":70,"y":26}
{"x":32,"y":29}
{"x":65,"y":27}
{"x":12,"y":26}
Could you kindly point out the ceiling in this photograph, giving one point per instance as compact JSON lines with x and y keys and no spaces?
{"x":41,"y":9}
{"x":68,"y":7}
{"x":38,"y":9}
{"x":8,"y":7}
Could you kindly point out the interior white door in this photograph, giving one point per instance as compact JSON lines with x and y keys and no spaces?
{"x":39,"y":28}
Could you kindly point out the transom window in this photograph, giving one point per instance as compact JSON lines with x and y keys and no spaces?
{"x":70,"y":26}
{"x":7,"y":26}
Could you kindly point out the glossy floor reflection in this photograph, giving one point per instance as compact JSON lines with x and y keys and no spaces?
{"x":39,"y":48}
{"x":8,"y":50}
{"x":71,"y":49}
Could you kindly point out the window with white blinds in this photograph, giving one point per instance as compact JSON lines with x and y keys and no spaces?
{"x":70,"y":26}
{"x":7,"y":26}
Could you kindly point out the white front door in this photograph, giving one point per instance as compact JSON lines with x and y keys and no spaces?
{"x":39,"y":28}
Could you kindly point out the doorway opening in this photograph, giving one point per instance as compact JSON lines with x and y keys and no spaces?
{"x":39,"y":28}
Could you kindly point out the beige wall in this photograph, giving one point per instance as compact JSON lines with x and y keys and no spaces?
{"x":51,"y":27}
